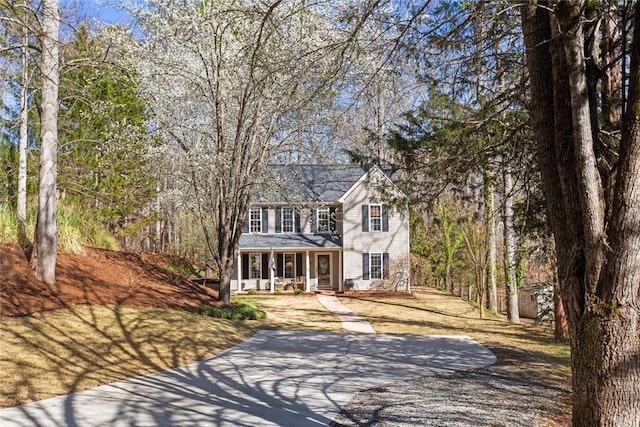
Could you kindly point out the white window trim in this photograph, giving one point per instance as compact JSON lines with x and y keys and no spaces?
{"x":371,"y":228}
{"x":251,"y":210}
{"x":328,"y":210}
{"x":371,"y":254}
{"x":293,"y":220}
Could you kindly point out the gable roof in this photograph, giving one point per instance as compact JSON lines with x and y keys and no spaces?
{"x":307,"y":183}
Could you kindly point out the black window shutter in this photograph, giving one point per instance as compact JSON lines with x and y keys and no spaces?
{"x":297,"y":214}
{"x":265,"y":266}
{"x":385,"y":265}
{"x":365,"y":266}
{"x":278,"y":220}
{"x":365,"y":217}
{"x":245,"y":266}
{"x":245,"y":224}
{"x":332,"y":219}
{"x":280,"y":265}
{"x":385,"y":218}
{"x":298,"y":264}
{"x":265,"y":220}
{"x":313,"y":221}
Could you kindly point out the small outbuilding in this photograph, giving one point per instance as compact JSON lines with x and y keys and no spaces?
{"x":536,"y":300}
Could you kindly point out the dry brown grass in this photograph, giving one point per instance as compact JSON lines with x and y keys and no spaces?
{"x":527,"y":350}
{"x":295,"y":312}
{"x":432,"y":312}
{"x":75,"y":349}
{"x":68,"y":350}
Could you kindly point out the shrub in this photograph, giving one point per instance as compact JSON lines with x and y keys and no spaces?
{"x":242,"y":310}
{"x":184,"y":268}
{"x":298,"y":291}
{"x":251,"y":292}
{"x":277,"y":292}
{"x":76,"y":227}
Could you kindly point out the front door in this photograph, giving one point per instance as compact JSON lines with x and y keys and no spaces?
{"x":324,"y":271}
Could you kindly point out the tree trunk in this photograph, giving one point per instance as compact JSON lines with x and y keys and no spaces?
{"x":598,"y":266}
{"x":45,"y":247}
{"x":21,"y":206}
{"x":490,"y":224}
{"x":513,"y":311}
{"x":561,"y":327}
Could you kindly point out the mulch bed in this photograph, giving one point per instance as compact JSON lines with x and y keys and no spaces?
{"x":97,"y":277}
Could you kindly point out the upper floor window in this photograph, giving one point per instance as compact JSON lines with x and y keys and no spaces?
{"x":324,"y":220}
{"x":288,"y":220}
{"x":375,"y":217}
{"x":255,"y":220}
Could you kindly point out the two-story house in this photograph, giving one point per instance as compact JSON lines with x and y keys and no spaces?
{"x":320,"y":227}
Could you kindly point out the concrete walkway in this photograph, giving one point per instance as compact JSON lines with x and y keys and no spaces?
{"x":351,"y":321}
{"x":276,"y":378}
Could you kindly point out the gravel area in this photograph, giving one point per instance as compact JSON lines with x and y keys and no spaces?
{"x":506,"y":394}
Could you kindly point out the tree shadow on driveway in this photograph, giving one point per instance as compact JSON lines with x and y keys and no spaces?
{"x":275,"y":378}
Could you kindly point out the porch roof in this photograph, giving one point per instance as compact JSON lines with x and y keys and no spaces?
{"x":289,"y":241}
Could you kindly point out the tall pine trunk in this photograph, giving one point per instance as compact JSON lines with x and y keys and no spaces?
{"x":46,"y":239}
{"x":490,"y":225}
{"x":598,"y":263}
{"x":513,"y":311}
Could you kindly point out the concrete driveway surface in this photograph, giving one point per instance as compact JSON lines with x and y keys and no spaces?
{"x":276,"y":378}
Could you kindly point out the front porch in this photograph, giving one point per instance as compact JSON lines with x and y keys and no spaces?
{"x":285,"y":270}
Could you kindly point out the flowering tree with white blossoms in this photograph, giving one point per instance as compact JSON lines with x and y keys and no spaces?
{"x":221,"y":78}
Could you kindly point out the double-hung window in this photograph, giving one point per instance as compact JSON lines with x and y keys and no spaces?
{"x":255,"y":220}
{"x":375,"y":217}
{"x":288,"y":220}
{"x":376,"y":266}
{"x":324,"y":221}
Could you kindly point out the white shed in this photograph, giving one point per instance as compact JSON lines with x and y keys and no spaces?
{"x":536,"y":300}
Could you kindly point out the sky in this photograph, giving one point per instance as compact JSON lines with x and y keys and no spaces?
{"x":106,"y":11}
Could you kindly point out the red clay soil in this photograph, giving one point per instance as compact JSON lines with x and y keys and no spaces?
{"x":99,"y":277}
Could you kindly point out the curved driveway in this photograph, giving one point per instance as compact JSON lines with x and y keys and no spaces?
{"x":276,"y":378}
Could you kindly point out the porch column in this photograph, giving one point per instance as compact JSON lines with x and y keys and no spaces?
{"x":272,"y":277}
{"x":239,"y":263}
{"x":308,"y":273}
{"x":340,"y":280}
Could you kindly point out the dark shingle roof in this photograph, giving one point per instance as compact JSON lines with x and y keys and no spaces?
{"x":289,"y":241}
{"x":307,"y":183}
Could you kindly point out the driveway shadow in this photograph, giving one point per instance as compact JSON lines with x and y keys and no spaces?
{"x":274,"y":378}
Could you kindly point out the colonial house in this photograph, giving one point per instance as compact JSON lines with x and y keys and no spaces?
{"x":317,"y":227}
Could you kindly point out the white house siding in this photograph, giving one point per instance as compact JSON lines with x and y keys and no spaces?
{"x":356,"y":242}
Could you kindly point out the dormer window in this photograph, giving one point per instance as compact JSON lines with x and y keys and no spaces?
{"x":255,"y":220}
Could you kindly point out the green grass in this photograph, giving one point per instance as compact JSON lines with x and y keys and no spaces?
{"x":76,"y":227}
{"x":242,"y":310}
